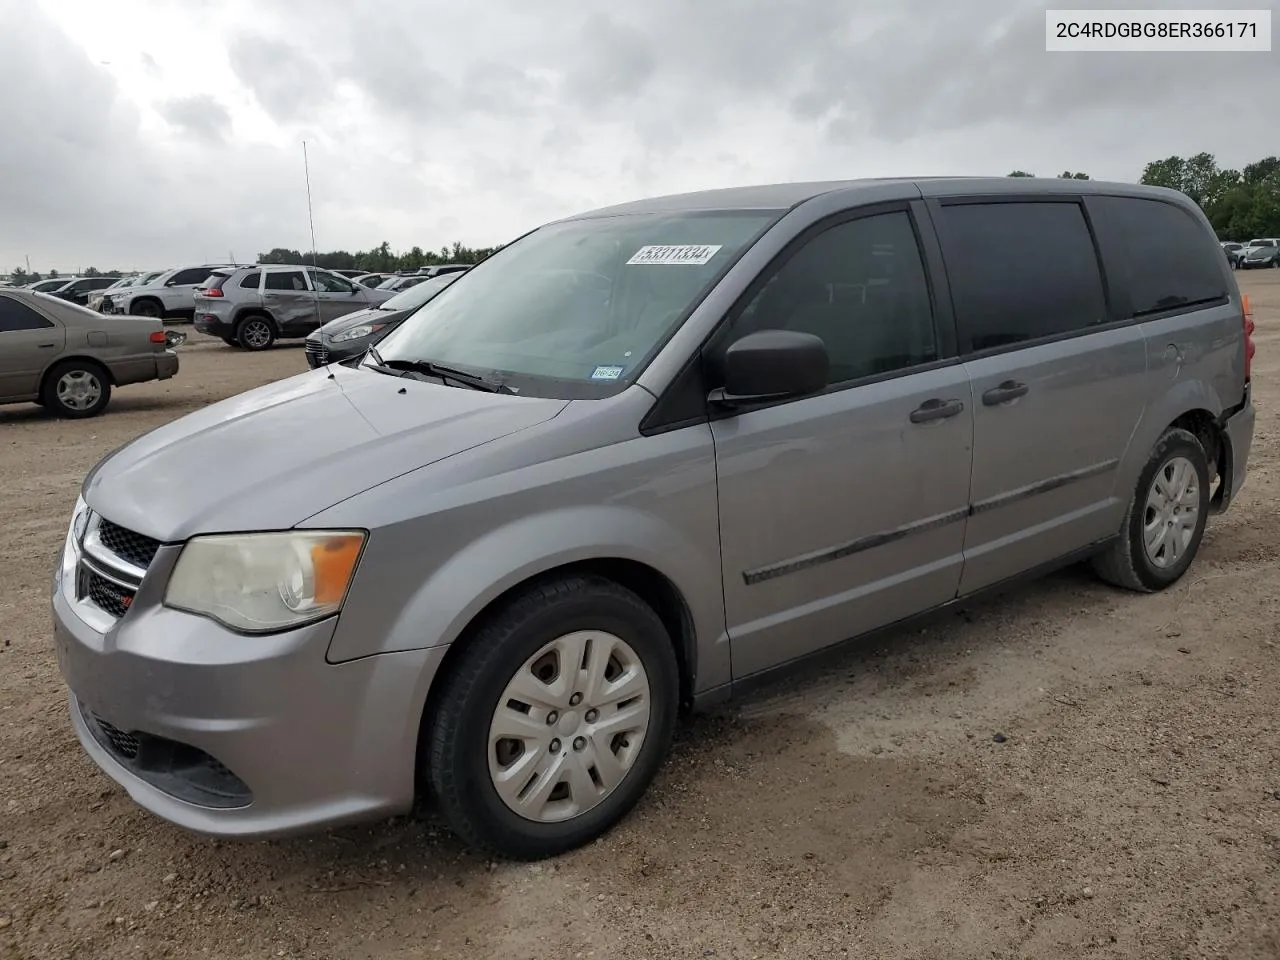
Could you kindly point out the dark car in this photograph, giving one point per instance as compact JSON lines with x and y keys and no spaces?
{"x":442,"y":268}
{"x":78,"y":290}
{"x":350,"y":336}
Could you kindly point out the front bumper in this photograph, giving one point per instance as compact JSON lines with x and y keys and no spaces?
{"x":232,"y":735}
{"x":321,"y":351}
{"x":1255,"y":264}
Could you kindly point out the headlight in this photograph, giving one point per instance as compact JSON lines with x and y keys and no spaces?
{"x":355,"y":333}
{"x":260,"y":582}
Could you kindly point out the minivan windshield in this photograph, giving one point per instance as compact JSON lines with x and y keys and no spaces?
{"x":418,"y":294}
{"x":575,"y":309}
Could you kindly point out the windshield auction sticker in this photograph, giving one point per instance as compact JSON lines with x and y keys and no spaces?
{"x":688,"y":254}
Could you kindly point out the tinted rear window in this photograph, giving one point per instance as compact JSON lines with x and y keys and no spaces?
{"x":1020,"y":271}
{"x":1163,"y":255}
{"x":251,"y":281}
{"x":15,"y":316}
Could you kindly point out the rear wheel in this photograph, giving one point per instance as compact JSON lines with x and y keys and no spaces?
{"x":1166,"y":518}
{"x":255,"y":333}
{"x":76,"y":389}
{"x":555,"y":720}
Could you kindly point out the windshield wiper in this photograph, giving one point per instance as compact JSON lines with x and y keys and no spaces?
{"x":431,"y":368}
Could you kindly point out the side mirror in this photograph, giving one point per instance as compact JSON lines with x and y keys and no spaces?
{"x":773,"y":364}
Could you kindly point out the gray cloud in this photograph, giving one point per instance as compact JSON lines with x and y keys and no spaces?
{"x":288,"y":82}
{"x":201,"y":116}
{"x":426,"y":125}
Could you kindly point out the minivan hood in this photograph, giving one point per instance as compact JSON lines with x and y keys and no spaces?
{"x":270,"y":458}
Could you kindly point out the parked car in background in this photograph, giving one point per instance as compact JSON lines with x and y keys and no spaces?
{"x":441,"y":268}
{"x":67,"y":358}
{"x":252,"y":307}
{"x":1261,"y":253}
{"x":349,"y":274}
{"x":351,"y":335}
{"x":170,"y":293}
{"x":373,"y":279}
{"x":98,"y":299}
{"x":48,"y":286}
{"x":397,"y":283}
{"x":1234,"y":252}
{"x":79,"y":290}
{"x":639,"y":459}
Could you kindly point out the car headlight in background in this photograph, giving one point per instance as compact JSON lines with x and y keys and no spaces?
{"x":355,"y":333}
{"x":262,"y":582}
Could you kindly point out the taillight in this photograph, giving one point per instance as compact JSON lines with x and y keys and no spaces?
{"x":157,"y":336}
{"x":1249,"y":348}
{"x":212,"y":292}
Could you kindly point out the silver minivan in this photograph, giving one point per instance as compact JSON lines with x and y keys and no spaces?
{"x":638,"y":459}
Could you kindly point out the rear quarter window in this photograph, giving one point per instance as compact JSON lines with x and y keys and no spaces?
{"x":1020,"y":271}
{"x":1162,"y":255}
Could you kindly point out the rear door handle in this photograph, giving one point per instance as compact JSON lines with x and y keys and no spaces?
{"x":46,"y":346}
{"x":936,"y":410}
{"x":1009,"y":390}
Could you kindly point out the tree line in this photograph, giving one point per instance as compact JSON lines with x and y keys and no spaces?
{"x":1240,"y":204}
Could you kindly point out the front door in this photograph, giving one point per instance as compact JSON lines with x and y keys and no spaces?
{"x":28,"y":342}
{"x":336,"y":297}
{"x":1058,"y":393}
{"x":845,"y":511}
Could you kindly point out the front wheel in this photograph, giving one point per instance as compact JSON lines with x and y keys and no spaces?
{"x":554,"y":721}
{"x":1166,"y":518}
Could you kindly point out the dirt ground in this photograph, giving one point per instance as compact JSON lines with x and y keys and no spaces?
{"x":1068,"y":771}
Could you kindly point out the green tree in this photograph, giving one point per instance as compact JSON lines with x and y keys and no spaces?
{"x":1068,"y":175}
{"x":1020,"y":173}
{"x":20,"y":277}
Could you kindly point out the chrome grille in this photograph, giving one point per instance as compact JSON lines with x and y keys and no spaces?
{"x":111,"y":563}
{"x":317,"y":353}
{"x":127,"y":545}
{"x":112,"y":597}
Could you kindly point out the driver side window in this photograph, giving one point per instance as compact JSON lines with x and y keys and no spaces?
{"x":861,"y":287}
{"x":329,"y":283}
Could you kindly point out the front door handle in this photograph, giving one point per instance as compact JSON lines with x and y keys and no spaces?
{"x":1009,"y":390}
{"x":46,"y":346}
{"x":936,"y":410}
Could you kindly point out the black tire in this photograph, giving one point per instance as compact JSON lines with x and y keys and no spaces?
{"x":457,"y":745}
{"x":255,"y":332}
{"x":148,"y":308}
{"x":90,"y":374}
{"x":1126,"y":563}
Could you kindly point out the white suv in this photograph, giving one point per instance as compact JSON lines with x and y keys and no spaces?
{"x":169,"y":294}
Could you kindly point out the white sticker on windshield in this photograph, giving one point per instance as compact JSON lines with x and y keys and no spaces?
{"x":606,"y":373}
{"x":690,"y":254}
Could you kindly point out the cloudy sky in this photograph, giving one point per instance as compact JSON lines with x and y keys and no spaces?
{"x":146,"y":133}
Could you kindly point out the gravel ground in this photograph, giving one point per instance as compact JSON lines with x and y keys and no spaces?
{"x":1065,"y":771}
